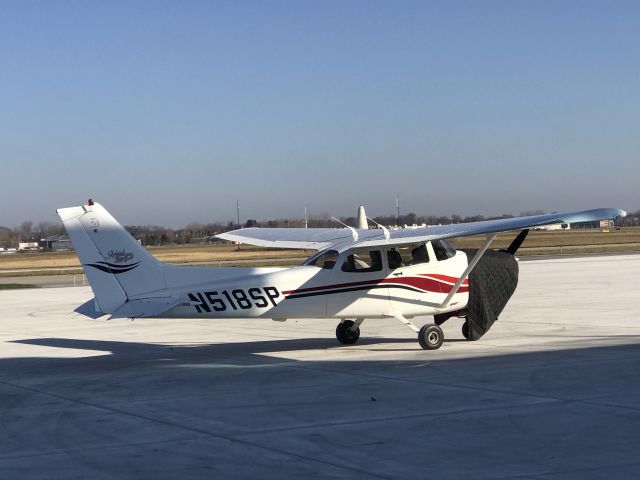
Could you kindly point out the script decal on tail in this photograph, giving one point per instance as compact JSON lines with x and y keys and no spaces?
{"x":117,"y":264}
{"x":120,"y":256}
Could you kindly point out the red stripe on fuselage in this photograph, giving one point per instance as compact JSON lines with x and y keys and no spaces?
{"x":426,"y":284}
{"x":445,"y":278}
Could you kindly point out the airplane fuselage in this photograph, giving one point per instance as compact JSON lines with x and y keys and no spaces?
{"x":312,"y":292}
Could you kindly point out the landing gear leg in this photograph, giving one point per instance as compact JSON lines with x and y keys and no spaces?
{"x":348,"y":331}
{"x":430,"y":337}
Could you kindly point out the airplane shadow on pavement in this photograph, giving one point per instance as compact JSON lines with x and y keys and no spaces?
{"x":242,"y":410}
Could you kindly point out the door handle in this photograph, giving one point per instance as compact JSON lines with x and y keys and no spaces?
{"x":397,"y":274}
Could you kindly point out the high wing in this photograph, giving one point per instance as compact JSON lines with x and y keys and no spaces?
{"x":301,"y":238}
{"x":409,"y":235}
{"x":341,"y":239}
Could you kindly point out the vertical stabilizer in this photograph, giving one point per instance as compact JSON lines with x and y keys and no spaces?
{"x":362,"y":219}
{"x":117,"y":266}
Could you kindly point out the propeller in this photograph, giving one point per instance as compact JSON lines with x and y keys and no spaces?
{"x":517,"y":242}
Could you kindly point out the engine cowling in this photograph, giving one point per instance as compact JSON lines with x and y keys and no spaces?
{"x":491,"y":284}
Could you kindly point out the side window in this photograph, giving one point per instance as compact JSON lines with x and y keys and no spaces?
{"x":394,"y":259}
{"x":419,"y":254}
{"x":443,"y":249}
{"x":406,"y":255}
{"x":325,"y":260}
{"x":363,"y":261}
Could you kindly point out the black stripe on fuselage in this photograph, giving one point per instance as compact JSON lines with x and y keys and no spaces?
{"x":353,"y":289}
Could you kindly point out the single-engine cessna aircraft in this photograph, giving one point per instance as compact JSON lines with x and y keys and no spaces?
{"x":356,"y":274}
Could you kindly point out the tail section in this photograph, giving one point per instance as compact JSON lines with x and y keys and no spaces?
{"x":117,"y":266}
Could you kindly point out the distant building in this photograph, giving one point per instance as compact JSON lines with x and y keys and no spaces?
{"x":554,"y":226}
{"x":56,"y":243}
{"x":604,"y":224}
{"x":29,"y":247}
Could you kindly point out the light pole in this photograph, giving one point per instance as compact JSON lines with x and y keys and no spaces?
{"x":238,"y":213}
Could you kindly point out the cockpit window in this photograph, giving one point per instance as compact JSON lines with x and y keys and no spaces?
{"x":443,"y":249}
{"x":325,"y":260}
{"x":363,"y":261}
{"x":406,"y":255}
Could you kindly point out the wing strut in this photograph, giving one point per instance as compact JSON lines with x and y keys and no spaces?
{"x":385,"y":230}
{"x":476,"y":258}
{"x":354,"y":232}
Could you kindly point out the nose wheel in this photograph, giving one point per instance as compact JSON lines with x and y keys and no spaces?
{"x":430,"y":337}
{"x":348,"y":332}
{"x":465,"y":329}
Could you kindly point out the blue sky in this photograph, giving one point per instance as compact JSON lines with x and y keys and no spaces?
{"x":167,"y":112}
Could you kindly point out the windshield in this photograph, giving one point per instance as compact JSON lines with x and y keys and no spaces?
{"x":443,"y":249}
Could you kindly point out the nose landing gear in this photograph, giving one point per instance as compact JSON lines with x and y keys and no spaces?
{"x":465,"y":330}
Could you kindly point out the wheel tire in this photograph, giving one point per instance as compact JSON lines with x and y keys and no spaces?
{"x":345,"y":334}
{"x":431,"y":337}
{"x":465,"y":330}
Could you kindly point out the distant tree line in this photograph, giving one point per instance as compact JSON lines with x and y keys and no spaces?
{"x":29,"y":232}
{"x":197,"y":233}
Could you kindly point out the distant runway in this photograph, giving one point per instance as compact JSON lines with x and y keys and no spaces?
{"x":551,"y":392}
{"x":70,"y":280}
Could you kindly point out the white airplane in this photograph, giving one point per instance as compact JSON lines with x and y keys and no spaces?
{"x":356,"y":274}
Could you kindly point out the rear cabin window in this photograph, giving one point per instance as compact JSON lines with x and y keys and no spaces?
{"x":363,"y":261}
{"x":443,"y":249}
{"x":407,"y":255}
{"x":325,"y":260}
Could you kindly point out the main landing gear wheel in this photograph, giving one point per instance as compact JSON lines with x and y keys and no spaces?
{"x":465,"y":330}
{"x":431,"y":337}
{"x":346,"y":334}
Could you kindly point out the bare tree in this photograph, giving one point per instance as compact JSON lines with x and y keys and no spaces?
{"x":26,"y":231}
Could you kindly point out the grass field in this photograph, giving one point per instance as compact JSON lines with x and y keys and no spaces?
{"x":537,"y":243}
{"x":26,"y":264}
{"x":551,"y":242}
{"x":15,"y":286}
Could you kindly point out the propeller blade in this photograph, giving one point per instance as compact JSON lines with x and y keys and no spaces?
{"x":517,"y":242}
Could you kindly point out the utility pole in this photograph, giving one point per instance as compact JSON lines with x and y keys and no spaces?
{"x":398,"y":209}
{"x":306,"y":222}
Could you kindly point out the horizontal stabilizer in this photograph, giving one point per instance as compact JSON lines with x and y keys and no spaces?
{"x":88,"y":309}
{"x":148,"y":307}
